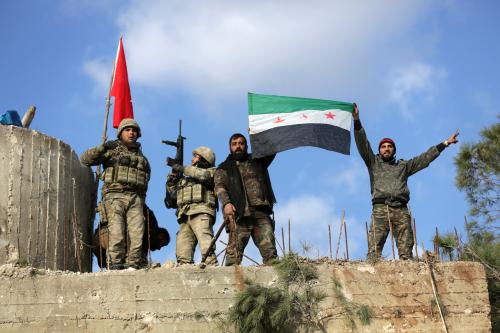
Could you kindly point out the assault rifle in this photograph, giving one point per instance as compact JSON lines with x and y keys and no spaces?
{"x":171,"y":200}
{"x":179,"y":144}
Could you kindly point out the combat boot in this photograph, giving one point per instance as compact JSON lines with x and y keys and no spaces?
{"x":117,"y":267}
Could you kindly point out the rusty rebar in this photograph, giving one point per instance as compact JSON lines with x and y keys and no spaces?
{"x":346,"y":240}
{"x":390,"y":229}
{"x":289,"y":237}
{"x":414,"y":226}
{"x":340,"y":234}
{"x":244,"y":255}
{"x":283,"y":241}
{"x":330,"y":240}
{"x":459,"y":245}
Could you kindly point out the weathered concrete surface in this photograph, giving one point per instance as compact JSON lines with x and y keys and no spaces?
{"x":188,"y":299}
{"x":42,"y":187}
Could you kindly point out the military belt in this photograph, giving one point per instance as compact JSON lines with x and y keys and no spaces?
{"x":396,"y":204}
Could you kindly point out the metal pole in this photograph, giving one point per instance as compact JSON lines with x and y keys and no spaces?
{"x":330,"y":240}
{"x":346,"y":242}
{"x":217,"y":256}
{"x":374,"y":238}
{"x":340,"y":234}
{"x":211,"y":245}
{"x":436,"y":244}
{"x":149,"y":238}
{"x":289,"y":238}
{"x":459,"y":245}
{"x":414,"y":229}
{"x":98,"y":169}
{"x":279,"y":245}
{"x":390,"y":229}
{"x":414,"y":224}
{"x":434,"y":290}
{"x":367,"y":235}
{"x":244,"y":255}
{"x":283,"y":241}
{"x":75,"y":230}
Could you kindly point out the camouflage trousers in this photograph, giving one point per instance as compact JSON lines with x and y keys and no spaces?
{"x":260,"y":227}
{"x":193,"y":229}
{"x":401,"y":226}
{"x":126,"y":228}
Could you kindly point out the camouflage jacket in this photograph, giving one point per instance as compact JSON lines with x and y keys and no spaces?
{"x":126,"y":169}
{"x":194,"y":191}
{"x":388,"y":180}
{"x":256,"y":186}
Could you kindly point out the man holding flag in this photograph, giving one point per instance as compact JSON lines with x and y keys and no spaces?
{"x":126,"y":175}
{"x":244,"y":189}
{"x":242,"y":183}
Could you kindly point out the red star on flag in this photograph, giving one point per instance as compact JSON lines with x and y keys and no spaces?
{"x":278,"y":120}
{"x":329,"y":115}
{"x":304,"y":116}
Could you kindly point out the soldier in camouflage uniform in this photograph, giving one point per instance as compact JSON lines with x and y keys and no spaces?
{"x":244,"y":189}
{"x":126,"y":175}
{"x":389,"y":189}
{"x":196,"y":205}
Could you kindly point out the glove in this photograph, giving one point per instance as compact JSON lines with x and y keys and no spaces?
{"x":172,"y":179}
{"x":108,"y":145}
{"x":177,"y":168}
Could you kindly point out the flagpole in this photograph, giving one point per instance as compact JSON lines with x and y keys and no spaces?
{"x":103,"y":140}
{"x":108,"y":99}
{"x":108,"y":106}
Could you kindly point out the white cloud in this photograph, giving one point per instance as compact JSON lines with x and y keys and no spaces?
{"x":350,"y":178}
{"x":226,"y":48}
{"x":99,"y":70}
{"x":416,"y":81}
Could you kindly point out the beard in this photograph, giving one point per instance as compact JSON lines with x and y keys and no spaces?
{"x":239,"y":155}
{"x":389,"y":158}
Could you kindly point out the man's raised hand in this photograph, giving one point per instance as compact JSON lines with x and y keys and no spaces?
{"x":355,"y":112}
{"x":453,"y":138}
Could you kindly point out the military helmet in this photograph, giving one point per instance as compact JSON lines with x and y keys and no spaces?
{"x":128,"y":122}
{"x":206,"y":153}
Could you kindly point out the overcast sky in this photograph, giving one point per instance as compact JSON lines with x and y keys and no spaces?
{"x":417,"y":69}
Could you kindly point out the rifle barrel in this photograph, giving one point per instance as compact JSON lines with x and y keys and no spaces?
{"x":170,"y":143}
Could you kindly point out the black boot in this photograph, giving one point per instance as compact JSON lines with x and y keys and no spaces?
{"x":117,"y":267}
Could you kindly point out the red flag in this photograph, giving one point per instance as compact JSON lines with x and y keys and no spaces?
{"x":121,"y":89}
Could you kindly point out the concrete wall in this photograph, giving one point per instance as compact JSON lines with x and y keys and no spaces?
{"x":188,"y":299}
{"x":38,"y":199}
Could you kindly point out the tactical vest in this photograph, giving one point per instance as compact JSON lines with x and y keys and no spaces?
{"x":190,"y":192}
{"x":127,"y":168}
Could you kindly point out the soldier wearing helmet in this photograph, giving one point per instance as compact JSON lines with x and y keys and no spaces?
{"x":389,"y":189}
{"x":193,"y":186}
{"x":126,"y":175}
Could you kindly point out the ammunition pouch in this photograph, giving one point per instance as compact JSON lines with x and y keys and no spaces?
{"x":129,"y":170}
{"x":195,"y":193}
{"x":101,"y":209}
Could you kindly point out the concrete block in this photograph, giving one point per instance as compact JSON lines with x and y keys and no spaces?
{"x":188,"y":299}
{"x":43,"y":186}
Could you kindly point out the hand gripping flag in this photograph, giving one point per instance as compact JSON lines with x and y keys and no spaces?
{"x":120,"y":88}
{"x":278,"y":123}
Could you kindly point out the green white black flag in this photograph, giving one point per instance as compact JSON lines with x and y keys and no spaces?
{"x":278,"y":123}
